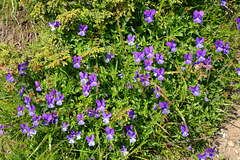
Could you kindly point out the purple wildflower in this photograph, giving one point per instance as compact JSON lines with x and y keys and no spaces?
{"x":76,"y":61}
{"x":109,"y":56}
{"x":93,"y":80}
{"x":36,"y":119}
{"x":159,"y":58}
{"x":78,"y":135}
{"x":120,"y":75}
{"x":82,"y":30}
{"x":47,"y":117}
{"x":109,"y":133}
{"x":54,"y":24}
{"x":20,"y":109}
{"x":144,"y":79}
{"x":238,"y":71}
{"x":208,"y":63}
{"x":101,"y":105}
{"x":59,"y":98}
{"x":65,"y":126}
{"x":164,"y":107}
{"x":9,"y":77}
{"x":211,"y":151}
{"x":90,"y":112}
{"x":27,"y":101}
{"x":83,"y":77}
{"x":149,"y":15}
{"x":189,"y":148}
{"x":54,"y":117}
{"x":138,"y":56}
{"x":183,"y":68}
{"x":131,"y":114}
{"x":38,"y":87}
{"x":132,"y":137}
{"x":96,"y":113}
{"x":148,"y":64}
{"x":90,"y":140}
{"x":219,"y":45}
{"x":31,"y":110}
{"x":71,"y":137}
{"x":106,"y":117}
{"x":53,"y":92}
{"x":1,"y":131}
{"x":156,"y":92}
{"x":80,"y":119}
{"x":184,"y":129}
{"x":223,"y":2}
{"x":149,"y":51}
{"x":29,"y":131}
{"x":136,"y":75}
{"x":131,"y":40}
{"x":201,"y":54}
{"x":197,"y":16}
{"x":86,"y":89}
{"x":129,"y":129}
{"x":172,"y":46}
{"x":226,"y":48}
{"x":202,"y":157}
{"x":22,"y":91}
{"x":124,"y":151}
{"x":155,"y":107}
{"x":188,"y":58}
{"x":199,"y":42}
{"x":206,"y":99}
{"x":195,"y":90}
{"x":238,"y":20}
{"x":50,"y":100}
{"x":159,"y":73}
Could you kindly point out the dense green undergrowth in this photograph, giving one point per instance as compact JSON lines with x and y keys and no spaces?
{"x":158,"y":132}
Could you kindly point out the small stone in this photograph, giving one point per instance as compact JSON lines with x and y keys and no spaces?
{"x":236,"y":152}
{"x":231,"y":143}
{"x":224,"y":135}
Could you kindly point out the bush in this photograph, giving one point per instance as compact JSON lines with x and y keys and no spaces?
{"x":166,"y":110}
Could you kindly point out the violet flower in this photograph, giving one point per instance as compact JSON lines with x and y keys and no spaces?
{"x":136,"y":75}
{"x":80,"y":119}
{"x":144,"y":79}
{"x":184,"y":129}
{"x":22,"y":91}
{"x":50,"y":100}
{"x":219,"y":45}
{"x":54,"y":117}
{"x":90,"y":112}
{"x":188,"y":58}
{"x":47,"y":117}
{"x":195,"y":90}
{"x":198,"y":16}
{"x":208,"y":63}
{"x":83,"y":77}
{"x":120,"y":75}
{"x":53,"y":92}
{"x":90,"y":140}
{"x":199,"y":42}
{"x":106,"y":117}
{"x":138,"y":56}
{"x":82,"y":30}
{"x":124,"y":151}
{"x":1,"y":131}
{"x":223,"y":2}
{"x":71,"y":137}
{"x":159,"y":58}
{"x":238,"y":71}
{"x":226,"y":48}
{"x":27,"y":101}
{"x":9,"y":77}
{"x":109,"y":133}
{"x":59,"y":98}
{"x":238,"y":22}
{"x":64,"y":126}
{"x":211,"y":151}
{"x":131,"y":40}
{"x":164,"y":107}
{"x":149,"y":15}
{"x":76,"y":61}
{"x":20,"y":109}
{"x":109,"y":56}
{"x":149,"y":51}
{"x":86,"y":89}
{"x":78,"y":135}
{"x":101,"y":105}
{"x":31,"y":110}
{"x":201,"y":54}
{"x":172,"y":46}
{"x":129,"y":129}
{"x":156,"y":92}
{"x":93,"y":80}
{"x":96,"y":113}
{"x":159,"y":73}
{"x":132,"y":137}
{"x":35,"y":120}
{"x":202,"y":157}
{"x":38,"y":87}
{"x":54,"y":24}
{"x":148,"y":64}
{"x":131,"y":114}
{"x":29,"y":131}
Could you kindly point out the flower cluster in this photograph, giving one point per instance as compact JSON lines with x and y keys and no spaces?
{"x":209,"y":153}
{"x":220,"y":47}
{"x":238,"y":22}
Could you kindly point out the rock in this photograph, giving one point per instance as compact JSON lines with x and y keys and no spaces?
{"x":224,"y":135}
{"x":231,"y":143}
{"x":236,"y":152}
